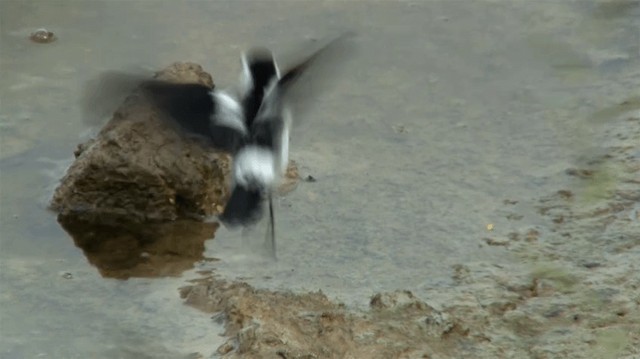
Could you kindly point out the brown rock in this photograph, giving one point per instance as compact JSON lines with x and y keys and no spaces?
{"x":395,"y":300}
{"x":140,"y":169}
{"x":42,"y":36}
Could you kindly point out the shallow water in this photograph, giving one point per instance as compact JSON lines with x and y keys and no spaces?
{"x":444,"y":110}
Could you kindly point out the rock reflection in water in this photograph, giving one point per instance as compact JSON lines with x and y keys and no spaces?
{"x":140,"y":250}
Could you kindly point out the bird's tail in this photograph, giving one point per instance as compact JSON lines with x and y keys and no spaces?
{"x":243,"y":208}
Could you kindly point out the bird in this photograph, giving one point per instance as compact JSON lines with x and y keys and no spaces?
{"x":253,"y":124}
{"x":262,"y":159}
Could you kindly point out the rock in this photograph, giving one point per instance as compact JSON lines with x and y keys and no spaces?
{"x":225,"y":348}
{"x":395,"y":300}
{"x":42,"y":36}
{"x":496,"y":241}
{"x":137,"y":197}
{"x":246,"y":338}
{"x":436,"y":324}
{"x":140,"y":169}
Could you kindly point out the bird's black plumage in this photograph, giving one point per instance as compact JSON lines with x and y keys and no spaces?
{"x":190,"y":104}
{"x":194,"y":108}
{"x":244,"y":206}
{"x":260,"y":70}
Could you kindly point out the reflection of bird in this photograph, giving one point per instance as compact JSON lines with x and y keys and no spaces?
{"x":252,"y":125}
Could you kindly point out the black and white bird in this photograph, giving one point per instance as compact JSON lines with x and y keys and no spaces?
{"x":253,"y":124}
{"x":262,"y":159}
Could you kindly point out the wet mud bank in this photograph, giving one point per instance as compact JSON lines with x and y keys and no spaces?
{"x":573,"y":294}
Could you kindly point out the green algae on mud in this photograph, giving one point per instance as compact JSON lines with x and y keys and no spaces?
{"x":562,"y":277}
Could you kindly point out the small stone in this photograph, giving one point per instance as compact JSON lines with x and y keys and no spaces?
{"x":399,"y":128}
{"x":396,"y":299}
{"x":514,"y":236}
{"x":437,"y":323}
{"x":42,"y":36}
{"x":591,"y":265}
{"x":565,"y":194}
{"x":496,"y":241}
{"x":532,"y":235}
{"x":581,"y":173}
{"x":246,"y":337}
{"x":225,"y":348}
{"x":460,"y":272}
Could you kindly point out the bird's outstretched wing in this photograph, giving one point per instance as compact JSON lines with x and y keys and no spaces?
{"x":196,"y":109}
{"x":312,"y":71}
{"x":201,"y":111}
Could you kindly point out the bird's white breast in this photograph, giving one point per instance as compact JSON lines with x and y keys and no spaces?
{"x":228,"y":111}
{"x":255,"y":165}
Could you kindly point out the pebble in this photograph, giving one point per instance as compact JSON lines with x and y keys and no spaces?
{"x":42,"y":36}
{"x":66,"y":275}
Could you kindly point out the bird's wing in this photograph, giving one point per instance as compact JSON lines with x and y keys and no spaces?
{"x":102,"y":95}
{"x":196,"y":109}
{"x":201,"y":111}
{"x":305,"y":79}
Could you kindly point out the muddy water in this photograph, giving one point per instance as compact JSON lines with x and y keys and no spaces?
{"x":444,"y":111}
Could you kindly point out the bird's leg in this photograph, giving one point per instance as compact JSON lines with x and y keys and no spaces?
{"x":270,"y":241}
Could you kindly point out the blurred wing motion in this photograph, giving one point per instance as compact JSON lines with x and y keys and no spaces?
{"x":322,"y":64}
{"x":253,"y":125}
{"x":103,"y":94}
{"x":267,"y":96}
{"x":200,"y":111}
{"x":267,"y":93}
{"x":196,"y":109}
